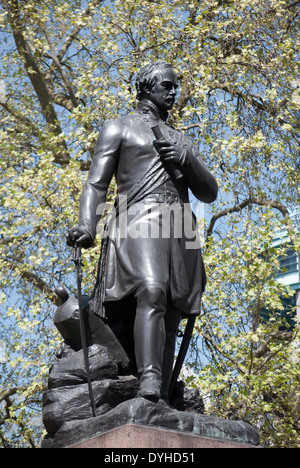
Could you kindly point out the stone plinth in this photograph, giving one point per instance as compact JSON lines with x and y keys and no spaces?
{"x":139,"y":421}
{"x":137,"y":436}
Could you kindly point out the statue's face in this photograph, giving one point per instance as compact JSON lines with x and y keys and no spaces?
{"x":163,"y":93}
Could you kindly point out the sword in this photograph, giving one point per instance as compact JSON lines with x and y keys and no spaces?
{"x":78,"y":263}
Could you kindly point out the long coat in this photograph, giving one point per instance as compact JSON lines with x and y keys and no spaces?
{"x":155,"y":240}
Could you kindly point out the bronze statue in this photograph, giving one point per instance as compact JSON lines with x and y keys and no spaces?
{"x":153,"y":260}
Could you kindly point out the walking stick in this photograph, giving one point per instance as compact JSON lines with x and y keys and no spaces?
{"x":78,"y":263}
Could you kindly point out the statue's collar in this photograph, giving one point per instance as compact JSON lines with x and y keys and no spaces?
{"x":147,"y":107}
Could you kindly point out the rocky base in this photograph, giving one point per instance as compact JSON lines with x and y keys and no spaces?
{"x":67,"y":398}
{"x":67,"y":414}
{"x":140,"y":411}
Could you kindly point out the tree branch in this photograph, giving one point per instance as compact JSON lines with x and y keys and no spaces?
{"x":220,"y":214}
{"x":20,"y":118}
{"x":35,"y":280}
{"x":5,"y":394}
{"x":60,"y":69}
{"x":291,"y":5}
{"x":36,"y":77}
{"x":40,"y":284}
{"x":279,"y":335}
{"x":73,"y":35}
{"x":207,"y":337}
{"x":255,"y":201}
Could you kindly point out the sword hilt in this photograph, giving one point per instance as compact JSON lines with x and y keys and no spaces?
{"x":77,"y":258}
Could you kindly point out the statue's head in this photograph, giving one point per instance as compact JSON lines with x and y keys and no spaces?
{"x":157,"y":82}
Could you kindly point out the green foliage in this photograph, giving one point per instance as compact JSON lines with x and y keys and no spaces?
{"x":253,"y":366}
{"x":66,"y":68}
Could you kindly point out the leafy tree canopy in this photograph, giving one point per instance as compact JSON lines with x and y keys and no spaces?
{"x":67,"y":66}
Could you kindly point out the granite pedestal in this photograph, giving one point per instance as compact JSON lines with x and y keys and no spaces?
{"x":137,"y":436}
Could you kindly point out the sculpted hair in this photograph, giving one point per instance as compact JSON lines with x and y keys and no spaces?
{"x":145,"y":77}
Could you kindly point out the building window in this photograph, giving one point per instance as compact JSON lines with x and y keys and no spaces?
{"x":288,"y":315}
{"x":288,"y":262}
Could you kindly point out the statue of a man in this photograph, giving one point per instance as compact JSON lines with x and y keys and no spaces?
{"x":162,"y":273}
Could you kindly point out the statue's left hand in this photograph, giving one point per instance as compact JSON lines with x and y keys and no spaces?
{"x":170,"y":152}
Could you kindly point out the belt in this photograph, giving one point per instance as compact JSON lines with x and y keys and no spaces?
{"x":167,"y":197}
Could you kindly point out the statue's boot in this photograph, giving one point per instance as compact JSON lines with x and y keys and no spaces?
{"x":149,"y":337}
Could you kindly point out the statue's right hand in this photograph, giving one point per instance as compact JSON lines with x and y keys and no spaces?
{"x":79,"y":236}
